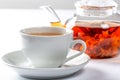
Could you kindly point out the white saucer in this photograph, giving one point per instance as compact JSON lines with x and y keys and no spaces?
{"x":19,"y":63}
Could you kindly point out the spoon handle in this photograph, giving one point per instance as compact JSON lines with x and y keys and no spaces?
{"x":51,"y":12}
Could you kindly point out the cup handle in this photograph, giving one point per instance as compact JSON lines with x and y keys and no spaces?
{"x":80,"y":52}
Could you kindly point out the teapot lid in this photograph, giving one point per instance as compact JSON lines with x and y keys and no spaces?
{"x":96,"y":7}
{"x":97,"y":3}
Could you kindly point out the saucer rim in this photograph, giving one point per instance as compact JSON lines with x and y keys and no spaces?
{"x":28,"y":68}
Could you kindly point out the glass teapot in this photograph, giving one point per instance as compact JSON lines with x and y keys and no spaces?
{"x":97,"y":22}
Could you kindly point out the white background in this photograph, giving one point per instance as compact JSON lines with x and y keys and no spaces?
{"x":34,"y":4}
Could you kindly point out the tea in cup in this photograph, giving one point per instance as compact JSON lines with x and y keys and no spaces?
{"x":48,"y":47}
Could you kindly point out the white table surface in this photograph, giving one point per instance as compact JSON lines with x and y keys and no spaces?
{"x":12,"y":20}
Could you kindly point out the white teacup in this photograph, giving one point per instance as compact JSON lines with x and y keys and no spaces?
{"x":48,"y":47}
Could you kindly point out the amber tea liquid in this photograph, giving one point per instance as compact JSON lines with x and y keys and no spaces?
{"x":101,"y":41}
{"x":58,"y":24}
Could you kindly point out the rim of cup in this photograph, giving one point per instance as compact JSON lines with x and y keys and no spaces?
{"x":26,"y":31}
